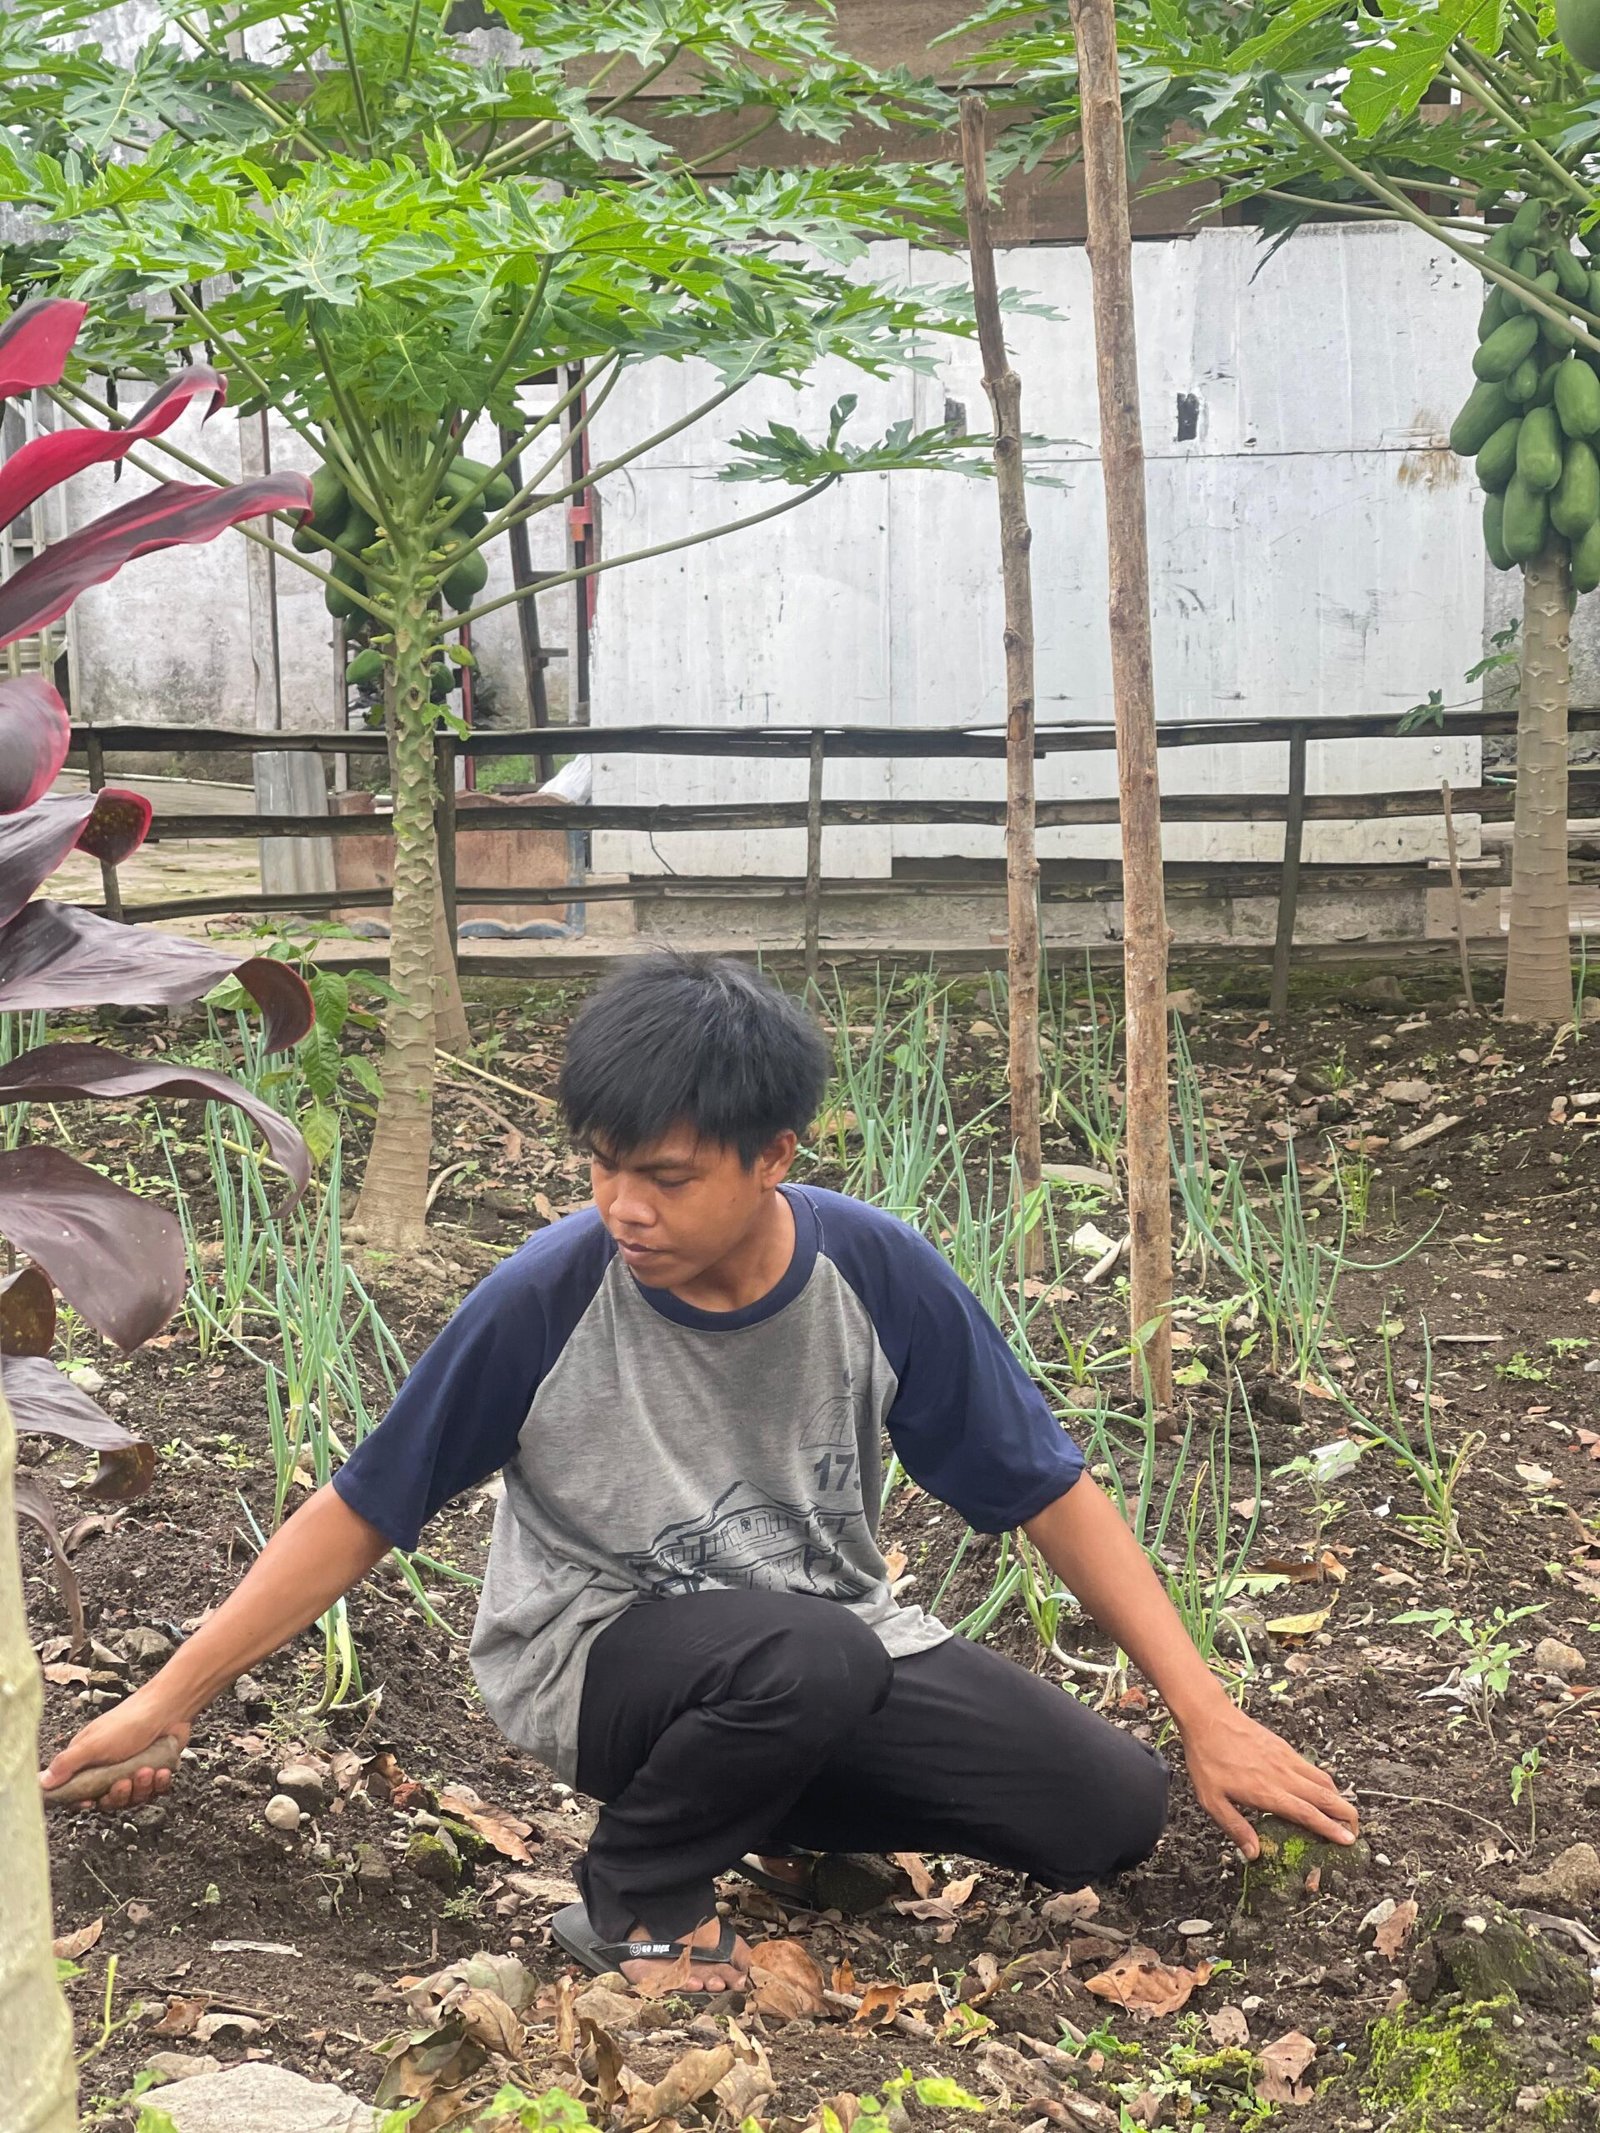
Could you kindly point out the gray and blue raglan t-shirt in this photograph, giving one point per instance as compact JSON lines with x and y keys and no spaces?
{"x":652,"y":1449}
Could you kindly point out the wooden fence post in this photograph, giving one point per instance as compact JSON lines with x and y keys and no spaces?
{"x":1004,"y":389}
{"x":1294,"y":823}
{"x":1144,"y":944}
{"x":813,"y":890}
{"x":1456,"y":897}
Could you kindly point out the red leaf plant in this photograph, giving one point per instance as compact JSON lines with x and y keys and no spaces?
{"x":118,"y":1260}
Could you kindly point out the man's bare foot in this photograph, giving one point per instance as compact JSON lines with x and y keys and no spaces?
{"x":676,"y":1976}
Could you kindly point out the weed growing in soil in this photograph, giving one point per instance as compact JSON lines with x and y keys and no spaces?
{"x":1482,"y":1678}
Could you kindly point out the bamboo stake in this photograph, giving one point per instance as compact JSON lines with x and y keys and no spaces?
{"x":1455,"y":893}
{"x":1144,"y":948}
{"x":1004,"y":389}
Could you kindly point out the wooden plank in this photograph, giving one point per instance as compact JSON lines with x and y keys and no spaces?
{"x":1289,"y":887}
{"x":795,"y":741}
{"x":1494,"y":803}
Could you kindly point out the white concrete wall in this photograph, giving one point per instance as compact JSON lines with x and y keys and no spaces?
{"x":1314,"y":549}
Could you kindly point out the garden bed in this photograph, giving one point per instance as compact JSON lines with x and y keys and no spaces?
{"x":1502,"y":1208}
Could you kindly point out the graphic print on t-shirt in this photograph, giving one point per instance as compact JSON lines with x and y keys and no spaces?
{"x":751,"y":1539}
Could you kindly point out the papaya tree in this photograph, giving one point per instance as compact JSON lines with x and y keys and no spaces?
{"x":1472,"y":122}
{"x":116,"y":1258}
{"x":383,"y":232}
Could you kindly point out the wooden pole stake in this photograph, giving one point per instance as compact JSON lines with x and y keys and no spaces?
{"x":1294,"y":824}
{"x":1004,"y":389}
{"x":1455,"y":894}
{"x":1144,"y":951}
{"x":813,"y":893}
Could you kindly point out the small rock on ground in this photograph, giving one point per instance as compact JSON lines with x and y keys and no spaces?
{"x":1571,"y":1878}
{"x":1551,"y":1656}
{"x":258,"y":2098}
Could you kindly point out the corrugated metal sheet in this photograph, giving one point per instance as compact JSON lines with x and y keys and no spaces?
{"x":1313,"y":550}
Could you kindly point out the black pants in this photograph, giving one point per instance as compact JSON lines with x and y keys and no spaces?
{"x":721,"y":1723}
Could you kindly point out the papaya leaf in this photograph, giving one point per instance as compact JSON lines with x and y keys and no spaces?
{"x":1388,"y":79}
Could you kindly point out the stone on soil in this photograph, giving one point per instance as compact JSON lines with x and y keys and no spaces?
{"x":432,"y":1856}
{"x":257,"y":2098}
{"x":1572,"y":1879}
{"x":1551,"y":1656}
{"x":308,"y":1784}
{"x":282,"y":1813}
{"x":1494,"y":1957}
{"x":1289,"y":1857}
{"x":180,"y":2066}
{"x":147,"y":1647}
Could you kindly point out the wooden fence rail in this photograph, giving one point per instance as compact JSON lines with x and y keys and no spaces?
{"x":1069,"y":880}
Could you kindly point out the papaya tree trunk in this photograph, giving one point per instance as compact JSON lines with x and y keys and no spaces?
{"x":391,"y":1208}
{"x":38,"y":2078}
{"x":1539,"y":953}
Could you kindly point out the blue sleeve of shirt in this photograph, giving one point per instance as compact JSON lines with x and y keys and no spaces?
{"x":457,"y":1417}
{"x":967,"y":1422}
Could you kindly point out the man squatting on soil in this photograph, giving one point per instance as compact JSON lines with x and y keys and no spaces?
{"x":685,"y":1612}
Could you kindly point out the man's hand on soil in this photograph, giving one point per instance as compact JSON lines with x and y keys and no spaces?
{"x":1234,"y":1763}
{"x":127,"y":1731}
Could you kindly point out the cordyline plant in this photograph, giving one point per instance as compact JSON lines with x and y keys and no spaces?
{"x":1472,"y":121}
{"x":115,"y":1258}
{"x":394,"y":231}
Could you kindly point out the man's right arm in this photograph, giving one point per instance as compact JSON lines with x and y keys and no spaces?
{"x":310,"y":1562}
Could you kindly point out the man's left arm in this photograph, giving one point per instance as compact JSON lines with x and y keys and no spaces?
{"x":1233,"y":1762}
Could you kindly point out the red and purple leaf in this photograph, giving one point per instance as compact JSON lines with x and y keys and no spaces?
{"x":175,"y":514}
{"x":35,"y":342}
{"x":117,"y":1259}
{"x":44,"y":1400}
{"x":107,"y":825}
{"x":63,"y":1073}
{"x":33,"y":1505}
{"x":35,"y":734}
{"x":60,"y":955}
{"x":27,"y":1313}
{"x":59,"y":454}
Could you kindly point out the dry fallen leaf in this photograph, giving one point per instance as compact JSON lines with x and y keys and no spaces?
{"x":1392,"y":1925}
{"x":180,"y":2018}
{"x":895,"y":1564}
{"x":1146,"y":1986}
{"x":957,"y":1892}
{"x":1228,"y":2025}
{"x":879,"y":2004}
{"x":1070,"y":1909}
{"x":1299,"y":1625}
{"x":71,"y":1945}
{"x":1283,"y":2061}
{"x":788,"y":1983}
{"x":488,"y":2021}
{"x":915,"y":1869}
{"x":695,"y":2075}
{"x":505,"y":1832}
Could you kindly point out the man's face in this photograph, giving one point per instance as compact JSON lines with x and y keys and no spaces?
{"x":683,"y":1205}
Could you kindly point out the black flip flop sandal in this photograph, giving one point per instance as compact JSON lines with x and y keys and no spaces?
{"x":572,"y":1931}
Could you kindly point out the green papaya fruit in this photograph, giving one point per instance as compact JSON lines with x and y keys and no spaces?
{"x":1522,"y":387}
{"x":1525,"y":521}
{"x":1592,"y":301}
{"x":1524,"y":224}
{"x":1486,"y":408}
{"x":1502,"y":246}
{"x":336,"y":594}
{"x":1578,"y":27}
{"x":1505,"y":348}
{"x":465,"y":580}
{"x":1497,"y":462}
{"x":1575,"y":502}
{"x":471,"y":521}
{"x":1494,"y":532}
{"x":365,"y":669}
{"x":1545,"y":391}
{"x":1539,"y":454}
{"x":1547,"y":285}
{"x":359,"y":531}
{"x":330,"y":499}
{"x":1498,"y":306}
{"x":1571,"y":274}
{"x":470,"y":476}
{"x":1586,"y":561}
{"x":1577,"y":400}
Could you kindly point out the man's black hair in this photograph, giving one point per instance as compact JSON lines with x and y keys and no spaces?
{"x":695,"y":1040}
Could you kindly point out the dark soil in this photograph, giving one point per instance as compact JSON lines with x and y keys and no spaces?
{"x":1506,"y":1284}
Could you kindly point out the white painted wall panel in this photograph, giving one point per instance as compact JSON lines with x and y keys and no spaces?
{"x":1313,"y":549}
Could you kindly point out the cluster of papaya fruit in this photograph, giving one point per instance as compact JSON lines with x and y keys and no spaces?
{"x":1533,"y":418}
{"x":336,"y":516}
